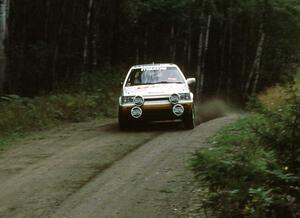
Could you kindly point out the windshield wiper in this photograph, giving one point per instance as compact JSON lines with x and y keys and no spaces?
{"x":161,"y":82}
{"x":165,"y":82}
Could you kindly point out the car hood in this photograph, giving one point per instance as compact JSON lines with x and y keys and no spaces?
{"x":156,"y":89}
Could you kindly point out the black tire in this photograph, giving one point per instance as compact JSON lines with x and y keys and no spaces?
{"x":189,"y":120}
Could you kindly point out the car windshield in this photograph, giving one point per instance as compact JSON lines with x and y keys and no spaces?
{"x":154,"y":75}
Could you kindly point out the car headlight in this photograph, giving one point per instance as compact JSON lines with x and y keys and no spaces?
{"x":127,"y":99}
{"x":138,"y":100}
{"x":185,"y":96}
{"x":174,"y":98}
{"x":136,"y":112}
{"x":178,"y":109}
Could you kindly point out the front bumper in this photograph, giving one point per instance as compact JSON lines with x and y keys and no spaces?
{"x":155,"y":111}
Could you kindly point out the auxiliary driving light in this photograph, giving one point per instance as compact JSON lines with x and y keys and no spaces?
{"x":136,"y":112}
{"x":174,"y":98}
{"x":178,"y":109}
{"x":138,"y":100}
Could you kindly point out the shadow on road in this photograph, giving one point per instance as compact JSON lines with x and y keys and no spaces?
{"x":148,"y":127}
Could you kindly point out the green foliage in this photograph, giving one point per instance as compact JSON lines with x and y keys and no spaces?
{"x":279,"y":129}
{"x":297,"y":76}
{"x":252,"y":169}
{"x":50,"y":46}
{"x":10,"y":139}
{"x":107,"y":82}
{"x":19,"y":114}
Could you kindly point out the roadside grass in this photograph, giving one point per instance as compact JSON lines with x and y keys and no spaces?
{"x":273,"y":96}
{"x":7,"y":140}
{"x":297,"y":77}
{"x":251,"y":167}
{"x":19,"y":114}
{"x":94,"y":98}
{"x":277,"y":95}
{"x":227,"y":170}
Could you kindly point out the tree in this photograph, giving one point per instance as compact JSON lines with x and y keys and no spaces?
{"x":230,"y":46}
{"x":3,"y":35}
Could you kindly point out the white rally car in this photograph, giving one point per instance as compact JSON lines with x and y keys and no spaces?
{"x":156,"y":92}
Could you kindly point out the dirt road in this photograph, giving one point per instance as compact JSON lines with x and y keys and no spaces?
{"x":94,"y":170}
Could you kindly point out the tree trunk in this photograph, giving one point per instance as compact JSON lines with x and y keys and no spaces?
{"x":98,"y":6}
{"x":202,"y":52}
{"x":115,"y":34}
{"x":145,"y":52}
{"x":229,"y":68}
{"x":55,"y":56}
{"x":3,"y":35}
{"x":258,"y":61}
{"x":256,"y":64}
{"x":244,"y":61}
{"x":207,"y":33}
{"x":189,"y":42}
{"x":70,"y":64}
{"x":137,"y":56}
{"x":256,"y":67}
{"x":172,"y":44}
{"x":222,"y":45}
{"x":87,"y":33}
{"x":47,"y":20}
{"x":94,"y":51}
{"x":185,"y":52}
{"x":199,"y":70}
{"x":205,"y":55}
{"x":57,"y":48}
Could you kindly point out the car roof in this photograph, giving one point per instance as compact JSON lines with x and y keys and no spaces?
{"x":154,"y":65}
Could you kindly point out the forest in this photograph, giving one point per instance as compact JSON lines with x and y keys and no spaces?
{"x":234,"y":48}
{"x":61,"y":67}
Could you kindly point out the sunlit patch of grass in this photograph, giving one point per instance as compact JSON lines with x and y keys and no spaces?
{"x":277,"y":95}
{"x":273,"y":96}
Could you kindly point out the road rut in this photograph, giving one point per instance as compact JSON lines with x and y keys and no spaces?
{"x":93,"y":170}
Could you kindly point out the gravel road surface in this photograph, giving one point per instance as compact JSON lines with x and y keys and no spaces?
{"x":94,"y":170}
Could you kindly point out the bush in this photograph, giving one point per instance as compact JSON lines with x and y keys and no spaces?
{"x":253,"y":169}
{"x":19,"y":114}
{"x":273,"y":97}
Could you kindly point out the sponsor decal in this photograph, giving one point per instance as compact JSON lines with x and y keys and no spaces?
{"x":153,"y":68}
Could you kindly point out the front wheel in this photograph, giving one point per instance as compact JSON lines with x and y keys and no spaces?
{"x":189,"y":120}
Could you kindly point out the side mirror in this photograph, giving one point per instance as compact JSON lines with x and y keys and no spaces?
{"x":191,"y":81}
{"x":121,"y":83}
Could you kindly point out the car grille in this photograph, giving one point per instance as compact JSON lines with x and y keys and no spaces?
{"x":152,"y":100}
{"x":157,"y":99}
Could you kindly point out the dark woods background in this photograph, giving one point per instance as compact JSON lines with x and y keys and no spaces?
{"x":233,"y":47}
